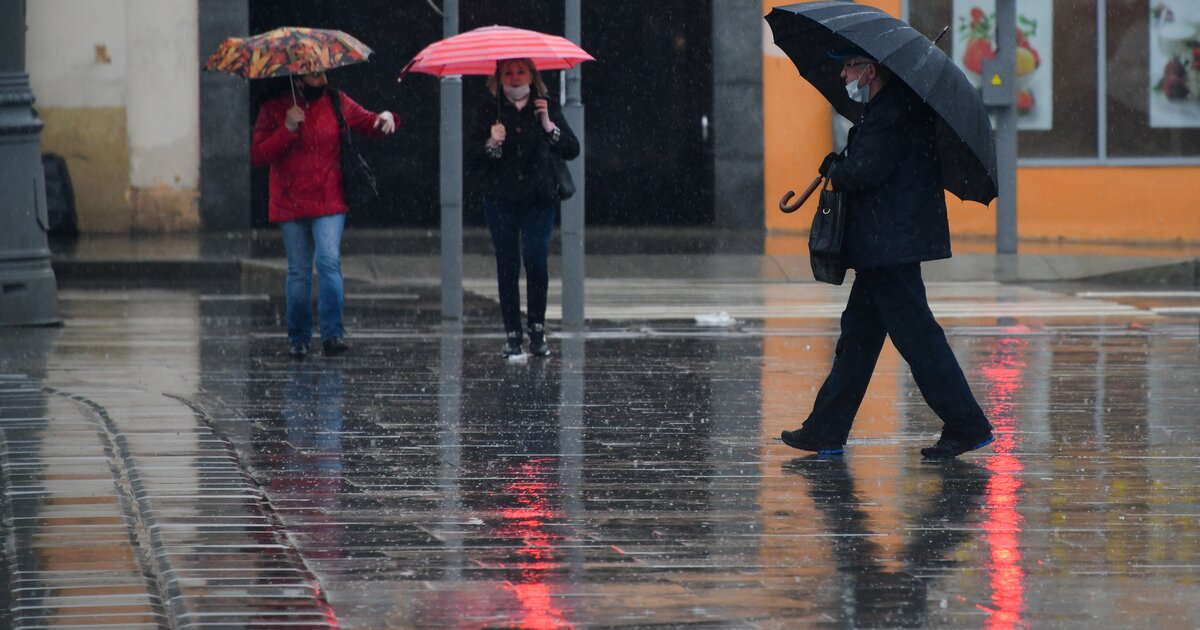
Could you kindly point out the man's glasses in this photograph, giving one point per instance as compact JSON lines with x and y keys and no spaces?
{"x":851,"y":64}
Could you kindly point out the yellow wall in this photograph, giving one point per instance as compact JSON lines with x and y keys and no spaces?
{"x":95,"y":145}
{"x":1150,"y":204}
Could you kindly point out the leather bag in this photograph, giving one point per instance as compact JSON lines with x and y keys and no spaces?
{"x":358,"y":178}
{"x":564,"y":183}
{"x":826,"y":235}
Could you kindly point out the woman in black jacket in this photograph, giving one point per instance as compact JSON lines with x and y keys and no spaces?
{"x":517,"y":137}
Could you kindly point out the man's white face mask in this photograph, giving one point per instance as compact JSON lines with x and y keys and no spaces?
{"x":858,"y":94}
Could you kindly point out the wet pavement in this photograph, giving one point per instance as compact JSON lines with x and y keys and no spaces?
{"x":166,"y":465}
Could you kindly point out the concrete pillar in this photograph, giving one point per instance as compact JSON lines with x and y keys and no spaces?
{"x":224,"y":123}
{"x":737,"y":117}
{"x":28,"y":292}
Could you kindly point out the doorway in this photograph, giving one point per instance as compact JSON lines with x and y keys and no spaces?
{"x":648,"y":100}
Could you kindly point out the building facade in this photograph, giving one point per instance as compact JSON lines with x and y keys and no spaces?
{"x":694,"y":118}
{"x":1104,"y":155}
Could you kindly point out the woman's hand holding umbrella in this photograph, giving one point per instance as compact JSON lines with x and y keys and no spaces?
{"x":498,"y":135}
{"x":295,"y":116}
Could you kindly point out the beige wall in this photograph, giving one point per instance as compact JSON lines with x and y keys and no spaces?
{"x":116,"y":83}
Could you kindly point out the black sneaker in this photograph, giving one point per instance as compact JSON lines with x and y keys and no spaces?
{"x":798,"y":440}
{"x":537,"y":341}
{"x":948,"y":447}
{"x":512,"y":345}
{"x":298,"y":350}
{"x":334,"y":346}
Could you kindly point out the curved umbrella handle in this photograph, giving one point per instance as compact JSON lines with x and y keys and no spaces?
{"x":788,"y":208}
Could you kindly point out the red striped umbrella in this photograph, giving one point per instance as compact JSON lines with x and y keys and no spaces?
{"x":477,"y":51}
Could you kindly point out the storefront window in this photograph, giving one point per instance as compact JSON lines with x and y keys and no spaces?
{"x":1056,"y":66}
{"x":1153,"y":78}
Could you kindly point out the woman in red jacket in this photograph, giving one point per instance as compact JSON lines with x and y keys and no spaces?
{"x":298,"y":138}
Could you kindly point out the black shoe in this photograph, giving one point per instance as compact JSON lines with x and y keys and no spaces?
{"x":537,"y":341}
{"x":512,"y":345}
{"x":947,"y":448}
{"x":798,"y":440}
{"x":334,"y":346}
{"x":298,"y":350}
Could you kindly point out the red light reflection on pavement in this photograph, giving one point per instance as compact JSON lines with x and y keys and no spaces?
{"x":1002,"y":522}
{"x":526,"y":522}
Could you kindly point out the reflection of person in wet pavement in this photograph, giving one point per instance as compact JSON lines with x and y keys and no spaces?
{"x":310,"y":459}
{"x":883,"y":598}
{"x":511,"y":445}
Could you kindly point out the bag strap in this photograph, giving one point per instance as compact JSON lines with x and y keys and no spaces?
{"x":335,"y":95}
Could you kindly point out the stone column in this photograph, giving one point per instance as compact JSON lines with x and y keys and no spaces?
{"x":28,"y":293}
{"x":737,"y":118}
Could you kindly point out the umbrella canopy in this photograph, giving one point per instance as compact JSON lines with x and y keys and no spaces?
{"x":807,"y":32}
{"x":286,"y":51}
{"x":477,"y":51}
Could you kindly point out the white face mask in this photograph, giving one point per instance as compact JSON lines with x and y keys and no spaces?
{"x":858,"y":94}
{"x":516,"y":93}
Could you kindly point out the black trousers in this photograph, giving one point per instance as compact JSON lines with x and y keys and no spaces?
{"x":891,"y":301}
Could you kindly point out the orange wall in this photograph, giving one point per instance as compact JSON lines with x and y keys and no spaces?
{"x":1150,"y":204}
{"x":1116,"y":204}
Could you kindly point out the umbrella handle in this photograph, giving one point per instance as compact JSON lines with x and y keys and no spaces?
{"x":788,"y":208}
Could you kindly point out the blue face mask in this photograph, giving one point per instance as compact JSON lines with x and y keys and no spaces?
{"x":858,"y":94}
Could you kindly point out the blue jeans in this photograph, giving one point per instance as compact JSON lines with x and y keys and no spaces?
{"x":306,"y":239}
{"x":521,"y":230}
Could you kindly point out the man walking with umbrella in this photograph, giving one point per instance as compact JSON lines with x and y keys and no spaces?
{"x":896,"y":218}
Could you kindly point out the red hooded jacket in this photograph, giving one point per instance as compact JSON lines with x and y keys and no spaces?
{"x":306,"y":170}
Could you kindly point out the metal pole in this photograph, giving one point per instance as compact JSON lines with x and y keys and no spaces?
{"x":573,"y":209}
{"x":28,"y":292}
{"x":1006,"y":129}
{"x":451,"y":180}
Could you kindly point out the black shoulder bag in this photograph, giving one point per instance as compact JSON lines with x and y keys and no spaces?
{"x":358,"y":178}
{"x":825,"y":236}
{"x":564,"y":183}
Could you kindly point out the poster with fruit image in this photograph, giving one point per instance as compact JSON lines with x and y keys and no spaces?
{"x":975,"y":40}
{"x":1174,"y":63}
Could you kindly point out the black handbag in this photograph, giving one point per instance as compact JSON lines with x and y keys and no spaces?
{"x":825,"y":237}
{"x":358,"y":178}
{"x":564,"y":183}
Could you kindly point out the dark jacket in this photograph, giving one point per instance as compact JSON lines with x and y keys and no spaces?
{"x":895,"y":202}
{"x":524,"y":170}
{"x":306,"y":170}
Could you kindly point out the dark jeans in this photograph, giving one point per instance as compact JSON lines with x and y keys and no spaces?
{"x":890,"y":301}
{"x":521,"y":231}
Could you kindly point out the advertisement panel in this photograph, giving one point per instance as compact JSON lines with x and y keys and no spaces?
{"x":1174,"y":63}
{"x":975,"y":41}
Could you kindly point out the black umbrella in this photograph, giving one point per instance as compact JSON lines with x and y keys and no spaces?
{"x":808,"y":31}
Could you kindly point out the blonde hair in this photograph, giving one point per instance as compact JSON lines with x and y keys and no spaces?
{"x":539,"y":86}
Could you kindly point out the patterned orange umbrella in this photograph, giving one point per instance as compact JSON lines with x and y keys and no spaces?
{"x":286,"y":51}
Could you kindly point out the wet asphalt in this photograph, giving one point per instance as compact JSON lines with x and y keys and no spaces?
{"x":165,"y":464}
